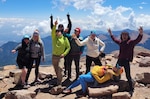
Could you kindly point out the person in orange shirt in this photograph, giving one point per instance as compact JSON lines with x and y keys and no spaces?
{"x":100,"y":74}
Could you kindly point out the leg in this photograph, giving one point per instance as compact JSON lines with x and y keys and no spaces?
{"x":76,"y":60}
{"x":66,"y":64}
{"x":29,"y":70}
{"x":88,"y":63}
{"x":56,"y":61}
{"x":37,"y":63}
{"x":69,"y":65}
{"x":84,"y":79}
{"x":23,"y":75}
{"x":126,"y":65}
{"x":97,"y":61}
{"x":128,"y":75}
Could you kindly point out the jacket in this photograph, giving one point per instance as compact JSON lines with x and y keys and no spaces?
{"x":92,"y":46}
{"x":60,"y":45}
{"x":127,"y":47}
{"x":101,"y":75}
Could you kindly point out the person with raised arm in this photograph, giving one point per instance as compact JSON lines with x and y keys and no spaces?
{"x":126,"y":52}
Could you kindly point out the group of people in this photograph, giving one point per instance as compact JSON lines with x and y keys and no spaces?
{"x":30,"y":51}
{"x":69,"y":47}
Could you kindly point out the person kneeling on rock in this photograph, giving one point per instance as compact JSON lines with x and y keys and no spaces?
{"x":100,"y":74}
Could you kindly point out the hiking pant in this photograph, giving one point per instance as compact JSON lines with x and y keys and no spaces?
{"x":66,"y":64}
{"x":57,"y":64}
{"x":83,"y":80}
{"x":89,"y":62}
{"x":76,"y":59}
{"x":37,"y":63}
{"x":126,"y":64}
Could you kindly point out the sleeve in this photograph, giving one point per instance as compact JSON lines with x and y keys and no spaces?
{"x":67,"y":46}
{"x":18,"y":47}
{"x":54,"y":31}
{"x":138,"y":39}
{"x":115,"y":40}
{"x":69,"y":25}
{"x":102,"y":79}
{"x":102,"y":44}
{"x":51,"y":22}
{"x":81,"y":43}
{"x":67,"y":35}
{"x":42,"y":49}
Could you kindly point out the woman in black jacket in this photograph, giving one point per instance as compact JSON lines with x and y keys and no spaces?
{"x":23,"y":58}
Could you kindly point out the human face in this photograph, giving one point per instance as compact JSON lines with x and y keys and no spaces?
{"x":58,"y":33}
{"x":35,"y":37}
{"x":93,"y":36}
{"x":124,"y":36}
{"x":26,"y":40}
{"x":76,"y":32}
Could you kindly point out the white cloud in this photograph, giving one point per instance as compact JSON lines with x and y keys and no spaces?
{"x":3,"y":1}
{"x":143,"y":3}
{"x":140,"y":7}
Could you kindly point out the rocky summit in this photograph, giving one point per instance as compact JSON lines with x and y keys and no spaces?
{"x":46,"y":89}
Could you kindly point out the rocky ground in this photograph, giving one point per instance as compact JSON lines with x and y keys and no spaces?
{"x":142,"y":91}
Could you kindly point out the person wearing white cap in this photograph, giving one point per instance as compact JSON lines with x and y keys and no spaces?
{"x":93,"y":44}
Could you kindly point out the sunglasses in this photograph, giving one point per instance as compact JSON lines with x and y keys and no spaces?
{"x":76,"y":30}
{"x":58,"y":30}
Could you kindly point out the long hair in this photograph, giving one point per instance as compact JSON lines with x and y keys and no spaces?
{"x":124,"y":32}
{"x":36,"y":32}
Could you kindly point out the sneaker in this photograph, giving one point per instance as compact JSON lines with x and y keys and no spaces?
{"x":26,"y":86}
{"x":67,"y":91}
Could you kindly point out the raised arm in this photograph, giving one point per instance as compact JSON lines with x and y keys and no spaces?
{"x":69,"y":23}
{"x":51,"y":21}
{"x":54,"y":30}
{"x":113,"y":38}
{"x":139,"y":38}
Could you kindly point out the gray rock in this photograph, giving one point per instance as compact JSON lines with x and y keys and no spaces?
{"x":121,"y":95}
{"x":20,"y":94}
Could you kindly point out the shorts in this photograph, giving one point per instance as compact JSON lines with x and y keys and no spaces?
{"x":23,"y":64}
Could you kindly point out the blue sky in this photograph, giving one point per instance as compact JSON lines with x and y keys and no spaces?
{"x":19,"y":17}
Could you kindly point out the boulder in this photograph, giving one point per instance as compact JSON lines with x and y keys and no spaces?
{"x":143,"y":78}
{"x":13,"y":72}
{"x":96,"y":92}
{"x":121,"y":95}
{"x":145,"y":62}
{"x":17,"y":76}
{"x":20,"y":94}
{"x":144,"y":54}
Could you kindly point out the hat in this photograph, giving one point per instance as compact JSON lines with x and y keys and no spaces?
{"x":78,"y":29}
{"x":36,"y":32}
{"x":26,"y":36}
{"x":93,"y":32}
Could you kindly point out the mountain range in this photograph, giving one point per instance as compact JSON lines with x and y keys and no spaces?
{"x":7,"y":58}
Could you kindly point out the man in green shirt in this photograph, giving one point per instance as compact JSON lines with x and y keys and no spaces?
{"x":60,"y":48}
